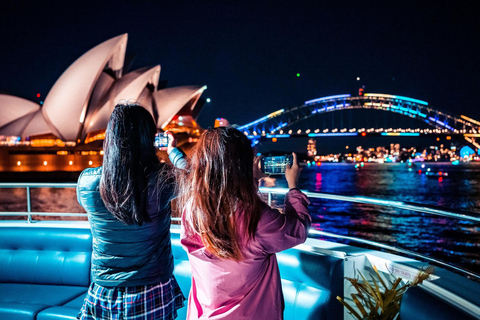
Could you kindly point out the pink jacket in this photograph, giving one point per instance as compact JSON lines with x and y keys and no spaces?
{"x":251,"y":288}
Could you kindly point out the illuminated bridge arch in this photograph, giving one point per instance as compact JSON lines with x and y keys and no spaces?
{"x":278,"y":122}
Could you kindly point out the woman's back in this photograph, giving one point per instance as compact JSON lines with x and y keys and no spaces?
{"x":128,"y":205}
{"x":128,"y":255}
{"x":250,"y":288}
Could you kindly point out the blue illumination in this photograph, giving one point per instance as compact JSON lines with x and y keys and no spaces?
{"x":330,"y":108}
{"x":262,"y":119}
{"x":332,"y":134}
{"x":391,"y":96}
{"x":340,"y":96}
{"x":280,"y":126}
{"x":466,"y":151}
{"x":278,"y":135}
{"x":412,"y":100}
{"x":441,"y":123}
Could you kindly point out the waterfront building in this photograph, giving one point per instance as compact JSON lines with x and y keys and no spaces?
{"x":65,"y":131}
{"x":312,"y":148}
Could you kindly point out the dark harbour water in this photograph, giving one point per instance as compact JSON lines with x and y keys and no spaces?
{"x":449,"y":240}
{"x":446,"y":239}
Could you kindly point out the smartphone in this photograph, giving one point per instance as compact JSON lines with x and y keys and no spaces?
{"x":161,"y":140}
{"x":276,"y":164}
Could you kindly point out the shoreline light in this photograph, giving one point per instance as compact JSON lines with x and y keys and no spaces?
{"x":405,"y":134}
{"x":332,"y":134}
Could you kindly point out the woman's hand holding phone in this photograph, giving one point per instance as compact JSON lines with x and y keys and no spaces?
{"x":257,"y":173}
{"x":172,"y":142}
{"x":292,"y":173}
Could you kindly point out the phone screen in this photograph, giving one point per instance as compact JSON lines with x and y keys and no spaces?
{"x":161,"y":140}
{"x":276,"y":164}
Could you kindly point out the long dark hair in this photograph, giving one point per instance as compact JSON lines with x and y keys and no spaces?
{"x":219,"y":184}
{"x":129,"y":158}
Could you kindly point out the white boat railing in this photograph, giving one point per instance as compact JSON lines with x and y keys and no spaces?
{"x":459,"y":215}
{"x":29,"y":213}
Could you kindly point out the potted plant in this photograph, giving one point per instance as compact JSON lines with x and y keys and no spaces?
{"x":381,"y":299}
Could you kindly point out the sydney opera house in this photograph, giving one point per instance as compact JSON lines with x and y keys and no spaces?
{"x":66,"y":131}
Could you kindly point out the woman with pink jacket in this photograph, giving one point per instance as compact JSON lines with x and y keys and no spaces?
{"x":230,"y":235}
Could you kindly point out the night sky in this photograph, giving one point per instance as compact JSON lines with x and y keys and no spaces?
{"x":248,"y":54}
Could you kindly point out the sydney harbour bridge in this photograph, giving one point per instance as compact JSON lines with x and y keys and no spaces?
{"x":291,"y":122}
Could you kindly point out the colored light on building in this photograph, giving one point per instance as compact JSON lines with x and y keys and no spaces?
{"x":90,"y":163}
{"x":19,"y":163}
{"x":70,"y":163}
{"x":221,"y":122}
{"x":45,"y":163}
{"x":332,"y":134}
{"x":298,"y":75}
{"x":364,"y":134}
{"x":38,"y":95}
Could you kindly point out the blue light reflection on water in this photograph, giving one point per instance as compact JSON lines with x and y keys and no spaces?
{"x":446,"y":239}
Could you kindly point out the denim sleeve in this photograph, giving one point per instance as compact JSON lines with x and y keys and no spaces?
{"x":178,"y":158}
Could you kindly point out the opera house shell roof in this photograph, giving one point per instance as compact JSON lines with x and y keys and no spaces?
{"x":80,"y":102}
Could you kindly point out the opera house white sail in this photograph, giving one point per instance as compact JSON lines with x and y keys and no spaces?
{"x":81,"y":100}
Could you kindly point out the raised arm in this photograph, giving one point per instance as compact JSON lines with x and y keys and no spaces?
{"x":277,"y":231}
{"x":176,"y":155}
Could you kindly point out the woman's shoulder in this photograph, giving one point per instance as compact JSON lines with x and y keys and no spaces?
{"x":89,"y":179}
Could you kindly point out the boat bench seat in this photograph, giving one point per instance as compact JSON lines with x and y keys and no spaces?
{"x":419,"y":304}
{"x":311,"y":282}
{"x":45,"y":272}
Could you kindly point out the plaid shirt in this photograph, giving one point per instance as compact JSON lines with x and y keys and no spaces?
{"x":159,"y":301}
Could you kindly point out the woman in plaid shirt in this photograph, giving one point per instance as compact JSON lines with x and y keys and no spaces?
{"x":128,"y":206}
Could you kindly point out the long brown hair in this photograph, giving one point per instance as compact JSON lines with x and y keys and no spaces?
{"x":218,"y":185}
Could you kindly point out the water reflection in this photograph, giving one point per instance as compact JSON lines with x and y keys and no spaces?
{"x":442,"y":238}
